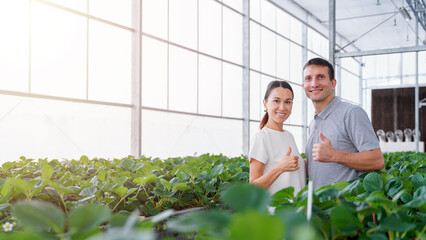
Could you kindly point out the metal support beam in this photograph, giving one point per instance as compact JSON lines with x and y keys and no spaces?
{"x":331,"y":30}
{"x":418,"y":8}
{"x":304,"y":98}
{"x":381,"y":51}
{"x":338,"y":77}
{"x":246,"y":76}
{"x":416,"y":92}
{"x":136,"y":114}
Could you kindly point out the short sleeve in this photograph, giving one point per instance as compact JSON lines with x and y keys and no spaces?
{"x":360,"y":130}
{"x":258,"y":148}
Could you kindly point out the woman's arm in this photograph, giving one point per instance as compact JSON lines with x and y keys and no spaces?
{"x":287,"y":164}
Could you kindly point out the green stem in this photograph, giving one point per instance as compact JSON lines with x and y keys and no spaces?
{"x":117,"y":204}
{"x":421,"y":233}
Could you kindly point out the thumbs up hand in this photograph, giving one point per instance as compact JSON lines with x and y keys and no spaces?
{"x":288,"y":163}
{"x":323,"y":152}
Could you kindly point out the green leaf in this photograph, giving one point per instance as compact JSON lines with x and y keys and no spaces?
{"x":39,"y":216}
{"x":373,"y":182}
{"x":144,"y":180}
{"x":127,"y":164}
{"x":283,"y":196}
{"x":243,"y":197}
{"x":88,"y":192}
{"x":217,"y":170}
{"x":7,"y":188}
{"x":84,"y":159}
{"x":340,"y":185}
{"x":348,"y":189}
{"x":46,"y":172}
{"x":419,"y":199}
{"x":121,"y":191}
{"x":87,"y":217}
{"x":102,"y":175}
{"x":254,"y":226}
{"x":180,"y":186}
{"x":418,"y":181}
{"x":393,"y":186}
{"x":394,"y":223}
{"x":345,"y":220}
{"x":165,"y":183}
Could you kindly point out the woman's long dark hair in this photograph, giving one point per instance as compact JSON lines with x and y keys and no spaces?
{"x":271,"y":86}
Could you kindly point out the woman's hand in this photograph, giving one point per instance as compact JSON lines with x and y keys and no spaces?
{"x":288,"y":163}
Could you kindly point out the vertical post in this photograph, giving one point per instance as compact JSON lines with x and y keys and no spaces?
{"x":338,"y":76}
{"x":331,"y":30}
{"x":136,"y":114}
{"x":361,"y":90}
{"x":246,"y":76}
{"x":416,"y":90}
{"x":304,"y":98}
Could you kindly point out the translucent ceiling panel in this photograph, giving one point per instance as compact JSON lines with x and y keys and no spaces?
{"x":58,"y":52}
{"x":189,"y":135}
{"x":38,"y":128}
{"x":268,"y":15}
{"x":210,"y":86}
{"x":255,"y":46}
{"x":154,"y":73}
{"x":117,"y":11}
{"x":14,"y":45}
{"x":154,"y":17}
{"x":268,"y":52}
{"x":296,"y":112}
{"x":79,"y":5}
{"x":256,"y":96}
{"x":283,"y":23}
{"x":109,"y":63}
{"x":232,"y":91}
{"x":182,"y":80}
{"x":210,"y":28}
{"x":235,"y":4}
{"x":232,"y":36}
{"x":283,"y":58}
{"x":183,"y":22}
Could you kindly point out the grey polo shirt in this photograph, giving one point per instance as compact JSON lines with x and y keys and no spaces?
{"x":349,"y":129}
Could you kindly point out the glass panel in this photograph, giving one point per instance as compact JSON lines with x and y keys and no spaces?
{"x":254,"y":46}
{"x":210,"y":86}
{"x":283,"y":57}
{"x":58,"y":53}
{"x":265,"y":80}
{"x":154,"y":17}
{"x":296,"y":67}
{"x":189,"y":135}
{"x":350,"y":87}
{"x":79,"y":5}
{"x":110,"y":65}
{"x":409,"y":63}
{"x":283,"y":23}
{"x":268,"y":52}
{"x":235,"y":4}
{"x":232,"y":36}
{"x":268,"y":15}
{"x":255,"y":10}
{"x":210,"y":28}
{"x":183,"y":22}
{"x":254,"y":128}
{"x":295,"y":30}
{"x":256,"y":96}
{"x":117,"y":11}
{"x":154,"y":73}
{"x":232,"y":91}
{"x":182,"y":80}
{"x":14,"y":47}
{"x":59,"y":131}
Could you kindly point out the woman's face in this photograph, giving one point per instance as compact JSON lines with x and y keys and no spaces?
{"x":279,"y":105}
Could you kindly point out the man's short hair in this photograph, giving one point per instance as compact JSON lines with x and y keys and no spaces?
{"x":321,"y":62}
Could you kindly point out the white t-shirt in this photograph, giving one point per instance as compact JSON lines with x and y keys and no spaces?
{"x":269,"y":147}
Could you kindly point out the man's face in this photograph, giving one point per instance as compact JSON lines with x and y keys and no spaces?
{"x":317,"y":84}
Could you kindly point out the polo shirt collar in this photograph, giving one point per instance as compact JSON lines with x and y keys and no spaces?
{"x":329,"y":109}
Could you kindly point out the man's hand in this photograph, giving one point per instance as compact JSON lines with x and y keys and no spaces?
{"x":323,"y":152}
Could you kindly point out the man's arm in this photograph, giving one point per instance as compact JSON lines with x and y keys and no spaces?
{"x":362,"y":161}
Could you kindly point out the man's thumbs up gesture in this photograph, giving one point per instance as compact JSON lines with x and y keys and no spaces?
{"x":323,"y":152}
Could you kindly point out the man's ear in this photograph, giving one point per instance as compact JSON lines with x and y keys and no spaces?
{"x":333,"y":83}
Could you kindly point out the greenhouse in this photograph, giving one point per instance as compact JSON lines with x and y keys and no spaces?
{"x":212,"y":119}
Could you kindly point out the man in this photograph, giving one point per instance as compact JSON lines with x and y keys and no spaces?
{"x":341,"y":143}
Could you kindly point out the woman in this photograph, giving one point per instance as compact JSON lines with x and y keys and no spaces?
{"x":275,"y":162}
